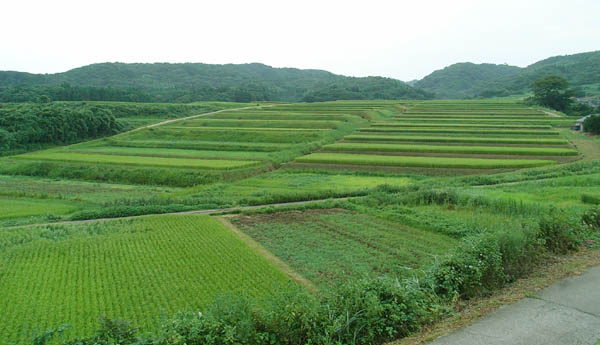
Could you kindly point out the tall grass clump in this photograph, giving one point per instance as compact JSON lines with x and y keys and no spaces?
{"x":560,"y":231}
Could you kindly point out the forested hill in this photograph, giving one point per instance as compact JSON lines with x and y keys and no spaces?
{"x":466,"y":80}
{"x":461,"y":79}
{"x":187,"y":82}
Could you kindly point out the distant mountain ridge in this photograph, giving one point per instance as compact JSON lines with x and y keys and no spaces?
{"x":467,"y":80}
{"x":186,"y":82}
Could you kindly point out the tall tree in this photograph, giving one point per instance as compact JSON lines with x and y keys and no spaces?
{"x":592,"y":124}
{"x":552,"y":92}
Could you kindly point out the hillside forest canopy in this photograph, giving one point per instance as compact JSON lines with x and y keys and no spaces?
{"x":191,"y":82}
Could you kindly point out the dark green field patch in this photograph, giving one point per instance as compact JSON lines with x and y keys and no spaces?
{"x":330,"y":246}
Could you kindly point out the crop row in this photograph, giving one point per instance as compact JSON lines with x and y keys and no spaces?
{"x":473,"y":115}
{"x":247,"y":129}
{"x":200,"y":145}
{"x":172,"y":152}
{"x":544,"y":120}
{"x":457,"y":125}
{"x":424,"y":162}
{"x":450,"y":139}
{"x":216,"y":164}
{"x":254,"y":136}
{"x":497,"y":150}
{"x":460,"y":131}
{"x":330,"y":124}
{"x":278,"y":116}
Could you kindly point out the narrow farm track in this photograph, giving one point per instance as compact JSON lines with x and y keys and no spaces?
{"x":211,"y":211}
{"x":199,"y":115}
{"x":551,"y":113}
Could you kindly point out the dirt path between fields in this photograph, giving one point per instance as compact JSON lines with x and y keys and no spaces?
{"x":198,"y":115}
{"x":203,"y":114}
{"x":211,"y":211}
{"x":267,"y":255}
{"x":552,"y":114}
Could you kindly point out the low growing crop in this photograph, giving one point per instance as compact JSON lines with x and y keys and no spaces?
{"x":426,"y":162}
{"x":460,"y":131}
{"x":453,"y":139}
{"x":136,"y":269}
{"x":217,"y":164}
{"x":498,"y":150}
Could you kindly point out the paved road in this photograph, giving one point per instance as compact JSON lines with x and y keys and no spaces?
{"x":567,"y":312}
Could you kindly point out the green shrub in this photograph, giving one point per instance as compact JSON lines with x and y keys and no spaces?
{"x":372,"y":311}
{"x":559,"y":231}
{"x":590,"y":199}
{"x":592,"y":124}
{"x":520,"y":249}
{"x":294,"y":315}
{"x":473,"y":269}
{"x":591,"y":218}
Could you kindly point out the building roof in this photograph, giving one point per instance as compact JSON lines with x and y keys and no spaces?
{"x":583,"y":119}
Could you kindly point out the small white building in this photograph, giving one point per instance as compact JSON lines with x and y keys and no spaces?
{"x":579,"y":124}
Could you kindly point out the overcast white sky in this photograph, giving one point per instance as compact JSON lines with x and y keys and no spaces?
{"x":399,"y":39}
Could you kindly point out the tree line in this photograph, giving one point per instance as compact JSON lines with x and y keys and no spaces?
{"x":29,"y":126}
{"x":554,"y":92}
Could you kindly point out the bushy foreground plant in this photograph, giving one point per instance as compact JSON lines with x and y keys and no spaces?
{"x":560,"y":232}
{"x":362,"y":312}
{"x":473,"y":269}
{"x":591,"y":218}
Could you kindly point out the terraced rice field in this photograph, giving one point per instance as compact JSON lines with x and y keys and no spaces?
{"x":448,"y":131}
{"x":457,"y":125}
{"x":425,"y":162}
{"x":217,"y":147}
{"x":453,"y":139}
{"x":499,"y":150}
{"x":217,"y":164}
{"x":453,"y":135}
{"x":133,"y":269}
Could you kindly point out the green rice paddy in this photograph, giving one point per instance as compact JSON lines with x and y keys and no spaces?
{"x":498,"y":150}
{"x":134,"y":269}
{"x":460,"y":139}
{"x":423,"y":162}
{"x":217,"y":164}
